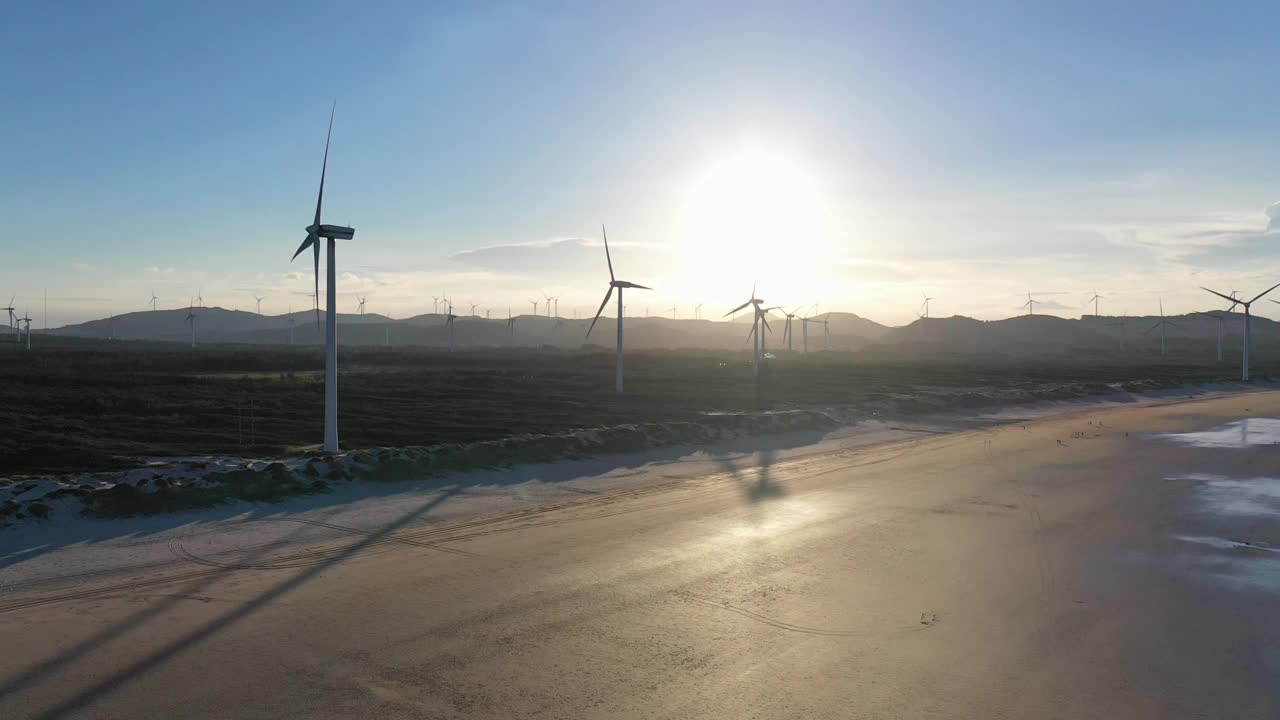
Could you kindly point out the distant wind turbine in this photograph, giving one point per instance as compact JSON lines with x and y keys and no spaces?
{"x":925,"y":304}
{"x":535,"y":307}
{"x":1121,"y":323}
{"x":26,"y":318}
{"x":12,"y":315}
{"x":1030,"y":304}
{"x":674,"y":312}
{"x":200,"y":297}
{"x":448,"y":321}
{"x":191,"y":320}
{"x":1221,"y":317}
{"x":621,"y":285}
{"x":435,"y":304}
{"x":697,"y":311}
{"x":259,"y":301}
{"x":1162,"y":324}
{"x":332,"y":233}
{"x":787,"y":334}
{"x":473,"y":309}
{"x":1096,"y":297}
{"x":360,"y":306}
{"x":756,"y":316}
{"x":153,"y":300}
{"x":1248,"y":323}
{"x":511,"y":323}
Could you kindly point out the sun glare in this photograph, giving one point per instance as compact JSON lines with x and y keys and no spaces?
{"x":756,"y":216}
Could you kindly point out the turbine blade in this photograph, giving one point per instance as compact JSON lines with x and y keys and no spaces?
{"x":639,"y":287}
{"x":311,"y":237}
{"x":753,"y":289}
{"x":750,"y":334}
{"x":1224,"y":297}
{"x":737,"y":308}
{"x":607,"y":258}
{"x":597,"y":317}
{"x":1264,"y":292}
{"x":765,"y":320}
{"x":325,"y":165}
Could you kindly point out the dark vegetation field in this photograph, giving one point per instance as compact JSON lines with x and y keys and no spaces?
{"x":94,"y":405}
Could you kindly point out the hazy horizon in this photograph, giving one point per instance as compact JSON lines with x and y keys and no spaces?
{"x":849,"y":156}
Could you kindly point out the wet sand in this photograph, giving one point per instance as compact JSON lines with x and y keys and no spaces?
{"x":1102,"y":564}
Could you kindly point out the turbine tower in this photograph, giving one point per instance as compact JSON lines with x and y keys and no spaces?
{"x":332,"y":233}
{"x":787,"y":335}
{"x":614,"y":282}
{"x":511,"y":323}
{"x":1248,"y":322}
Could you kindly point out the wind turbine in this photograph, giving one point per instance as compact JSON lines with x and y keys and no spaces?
{"x":756,"y":316}
{"x":1030,"y":304}
{"x":1121,"y":323}
{"x":674,"y":312}
{"x":1248,"y":322}
{"x":614,"y":282}
{"x":200,"y":297}
{"x":191,"y":320}
{"x":332,"y":233}
{"x":486,"y":313}
{"x":927,"y":300}
{"x":535,"y":307}
{"x":360,"y":306}
{"x":12,"y":316}
{"x":473,"y":309}
{"x":697,"y":311}
{"x":1096,"y":297}
{"x":511,"y":323}
{"x":26,"y":318}
{"x":1221,"y":317}
{"x":435,"y":304}
{"x":259,"y":300}
{"x":787,"y":335}
{"x":448,"y":321}
{"x":1162,"y":324}
{"x":153,"y":300}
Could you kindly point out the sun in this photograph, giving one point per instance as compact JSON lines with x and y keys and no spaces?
{"x":756,"y":216}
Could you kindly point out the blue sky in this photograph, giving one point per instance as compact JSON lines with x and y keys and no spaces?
{"x":970,"y":150}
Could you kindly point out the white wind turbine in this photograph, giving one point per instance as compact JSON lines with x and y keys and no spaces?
{"x":1221,"y":317}
{"x":200,"y":297}
{"x":26,"y":318}
{"x":448,"y":321}
{"x":360,"y":305}
{"x":1162,"y":324}
{"x":1030,"y":304}
{"x":756,"y":317}
{"x":697,"y":311}
{"x":614,"y":282}
{"x":1096,"y":297}
{"x":535,"y":307}
{"x":1248,"y":322}
{"x":259,"y":300}
{"x":153,"y":300}
{"x":788,"y":333}
{"x":12,"y":315}
{"x":332,"y":233}
{"x":191,"y":320}
{"x":925,"y":304}
{"x":674,"y":312}
{"x":435,"y":304}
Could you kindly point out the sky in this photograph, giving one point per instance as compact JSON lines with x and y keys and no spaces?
{"x":840,"y":156}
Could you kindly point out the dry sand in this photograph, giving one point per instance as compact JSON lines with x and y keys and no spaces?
{"x":1098,"y":564}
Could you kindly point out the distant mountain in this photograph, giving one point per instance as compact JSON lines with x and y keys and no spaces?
{"x":1023,"y":335}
